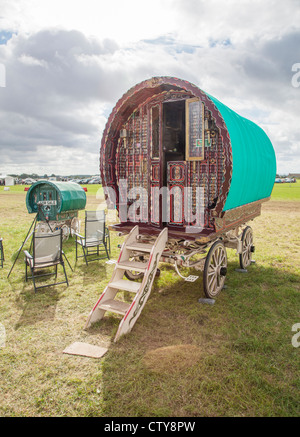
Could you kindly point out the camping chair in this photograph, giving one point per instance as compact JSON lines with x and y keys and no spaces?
{"x":1,"y":252}
{"x":96,"y":236}
{"x":47,"y":252}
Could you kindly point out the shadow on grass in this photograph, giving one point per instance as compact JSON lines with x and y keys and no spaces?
{"x":107,"y":326}
{"x":40,"y":305}
{"x":37,"y":307}
{"x":243,"y":341}
{"x":95,"y":272}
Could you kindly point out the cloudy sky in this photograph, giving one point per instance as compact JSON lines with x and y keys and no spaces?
{"x":65,"y":64}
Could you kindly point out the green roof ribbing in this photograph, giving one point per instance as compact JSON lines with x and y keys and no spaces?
{"x":253,"y":159}
{"x":71,"y":195}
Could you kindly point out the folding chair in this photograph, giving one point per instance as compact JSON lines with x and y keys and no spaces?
{"x":101,"y":216}
{"x":96,"y":238}
{"x":1,"y":252}
{"x":47,"y":252}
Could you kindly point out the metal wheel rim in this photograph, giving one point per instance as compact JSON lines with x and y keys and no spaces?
{"x":247,"y":242}
{"x":214,"y":281}
{"x":75,"y":225}
{"x":65,"y":232}
{"x":132,"y":274}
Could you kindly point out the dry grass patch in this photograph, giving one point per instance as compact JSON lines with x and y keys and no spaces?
{"x":182,"y":358}
{"x":172,"y":359}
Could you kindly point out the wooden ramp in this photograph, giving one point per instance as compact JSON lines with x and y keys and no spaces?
{"x":140,"y":290}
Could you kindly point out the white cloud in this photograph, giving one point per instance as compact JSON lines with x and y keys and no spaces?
{"x":123,"y":21}
{"x":67,"y":63}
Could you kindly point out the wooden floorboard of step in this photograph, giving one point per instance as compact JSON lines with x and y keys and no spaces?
{"x":123,"y":284}
{"x":143,"y":247}
{"x":115,"y":306}
{"x":133,"y":265}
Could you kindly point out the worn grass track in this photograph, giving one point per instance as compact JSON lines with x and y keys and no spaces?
{"x":234,"y":358}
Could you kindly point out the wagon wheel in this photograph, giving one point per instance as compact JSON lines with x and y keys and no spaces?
{"x":138,"y":275}
{"x":247,"y":248}
{"x":215,"y":269}
{"x":65,"y":232}
{"x":132,"y":275}
{"x":75,"y":225}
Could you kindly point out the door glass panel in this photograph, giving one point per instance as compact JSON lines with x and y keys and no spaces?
{"x":195,"y":130}
{"x":155,"y":131}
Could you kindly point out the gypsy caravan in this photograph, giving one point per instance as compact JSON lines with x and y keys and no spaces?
{"x":56,"y":205}
{"x":186,"y":174}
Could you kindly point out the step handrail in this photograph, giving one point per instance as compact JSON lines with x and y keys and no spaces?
{"x":141,"y":297}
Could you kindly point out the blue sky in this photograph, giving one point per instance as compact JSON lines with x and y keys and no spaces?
{"x":68,"y":62}
{"x":5,"y":36}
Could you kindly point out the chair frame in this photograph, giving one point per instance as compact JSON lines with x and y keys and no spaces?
{"x":30,"y":262}
{"x":89,"y":250}
{"x":2,"y":259}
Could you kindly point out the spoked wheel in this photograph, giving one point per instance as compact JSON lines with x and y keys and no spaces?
{"x":247,"y":248}
{"x":65,"y":232}
{"x":75,"y":225}
{"x":215,"y":269}
{"x":131,"y":274}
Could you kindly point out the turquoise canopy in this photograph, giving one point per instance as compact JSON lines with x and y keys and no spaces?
{"x":70,"y":196}
{"x":253,"y":159}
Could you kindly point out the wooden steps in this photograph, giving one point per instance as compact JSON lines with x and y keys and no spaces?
{"x":140,"y":290}
{"x":133,"y":265}
{"x":123,"y":284}
{"x":115,"y":306}
{"x":140,"y":247}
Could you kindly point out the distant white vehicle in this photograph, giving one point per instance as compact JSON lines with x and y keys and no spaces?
{"x":95,"y":181}
{"x":29,"y":181}
{"x":288,"y":180}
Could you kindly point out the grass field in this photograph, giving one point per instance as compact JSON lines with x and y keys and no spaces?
{"x":289,"y":191}
{"x":183,"y":358}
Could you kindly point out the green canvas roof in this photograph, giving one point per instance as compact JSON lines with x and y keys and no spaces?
{"x":253,"y":159}
{"x":71,"y":195}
